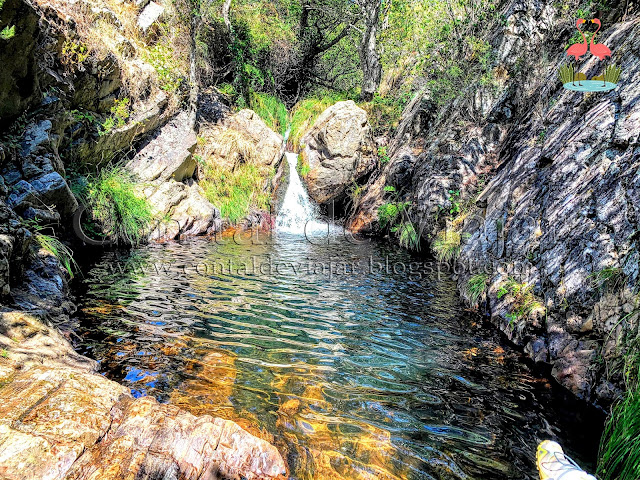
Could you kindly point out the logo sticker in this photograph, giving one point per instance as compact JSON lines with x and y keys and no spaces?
{"x":577,"y":81}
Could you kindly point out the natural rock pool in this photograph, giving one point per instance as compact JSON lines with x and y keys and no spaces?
{"x":354,"y":373}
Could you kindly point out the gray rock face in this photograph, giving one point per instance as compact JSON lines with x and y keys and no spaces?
{"x":339,"y":150}
{"x":557,"y":179}
{"x":150,"y":15}
{"x":169,"y":155}
{"x":165,"y":167}
{"x":19,"y":88}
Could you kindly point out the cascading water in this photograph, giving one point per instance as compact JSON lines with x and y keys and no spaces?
{"x":297,"y":214}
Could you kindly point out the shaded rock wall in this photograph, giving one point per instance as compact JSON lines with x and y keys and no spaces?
{"x":549,"y":181}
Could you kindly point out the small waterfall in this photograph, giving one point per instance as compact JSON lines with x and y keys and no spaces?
{"x":297,"y":214}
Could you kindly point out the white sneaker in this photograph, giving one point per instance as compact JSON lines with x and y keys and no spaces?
{"x":553,"y":464}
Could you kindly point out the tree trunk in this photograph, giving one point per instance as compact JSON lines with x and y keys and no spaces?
{"x":226,"y":7}
{"x":369,"y":56}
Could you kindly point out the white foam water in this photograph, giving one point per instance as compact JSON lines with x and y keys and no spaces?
{"x":298,"y":215}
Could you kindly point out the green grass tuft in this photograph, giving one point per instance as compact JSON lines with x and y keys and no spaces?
{"x":114,"y":202}
{"x":447,"y":245}
{"x":59,"y":250}
{"x":8,"y":33}
{"x":477,"y":287}
{"x":271,"y":110}
{"x":566,"y":74}
{"x":524,"y":303}
{"x":407,"y":236}
{"x":235,"y":191}
{"x":619,"y":457}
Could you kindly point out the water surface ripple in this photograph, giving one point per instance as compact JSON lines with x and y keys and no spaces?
{"x":357,"y":373}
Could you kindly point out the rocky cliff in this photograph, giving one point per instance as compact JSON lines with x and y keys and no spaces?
{"x":64,"y":106}
{"x":540,"y":187}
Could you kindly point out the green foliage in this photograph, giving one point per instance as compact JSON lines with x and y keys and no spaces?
{"x":476,"y":287}
{"x":80,"y":116}
{"x":74,"y":53}
{"x":303,"y":167}
{"x":384,"y":113}
{"x":271,"y":110}
{"x":524,"y":303}
{"x":115,"y":204}
{"x":383,"y":155}
{"x":454,"y":199}
{"x":619,"y":456}
{"x":390,"y":189}
{"x":235,"y":192}
{"x":566,"y":74}
{"x":119,"y":116}
{"x":161,"y":57}
{"x":407,"y":235}
{"x":8,"y":32}
{"x":390,"y":212}
{"x":447,"y":245}
{"x":59,"y":250}
{"x":5,"y":353}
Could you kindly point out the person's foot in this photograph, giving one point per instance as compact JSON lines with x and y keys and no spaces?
{"x":553,"y":464}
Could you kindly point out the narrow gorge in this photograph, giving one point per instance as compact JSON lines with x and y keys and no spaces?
{"x":319,"y":240}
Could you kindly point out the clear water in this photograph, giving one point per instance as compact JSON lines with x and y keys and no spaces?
{"x":352,"y":372}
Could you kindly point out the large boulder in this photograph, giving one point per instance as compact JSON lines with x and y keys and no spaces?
{"x":241,"y":133}
{"x":339,"y":149}
{"x":165,"y":167}
{"x":169,"y":154}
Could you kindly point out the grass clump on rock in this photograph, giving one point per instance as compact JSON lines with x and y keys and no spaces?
{"x":271,"y":110}
{"x":114,"y":202}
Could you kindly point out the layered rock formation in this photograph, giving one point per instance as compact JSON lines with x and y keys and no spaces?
{"x":339,"y":151}
{"x":547,"y":181}
{"x":165,"y":168}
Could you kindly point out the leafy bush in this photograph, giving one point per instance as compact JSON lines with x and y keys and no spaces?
{"x":119,"y":116}
{"x":384,"y":113}
{"x":389,"y":212}
{"x":162,"y":59}
{"x":271,"y":110}
{"x":115,"y":204}
{"x":235,"y":191}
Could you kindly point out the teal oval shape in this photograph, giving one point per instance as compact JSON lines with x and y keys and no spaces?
{"x":590,"y":86}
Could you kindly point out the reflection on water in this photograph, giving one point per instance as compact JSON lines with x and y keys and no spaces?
{"x":353,"y":371}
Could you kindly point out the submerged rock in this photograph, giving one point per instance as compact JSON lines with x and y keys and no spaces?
{"x":339,"y":149}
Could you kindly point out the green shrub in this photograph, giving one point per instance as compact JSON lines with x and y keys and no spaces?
{"x":235,"y":191}
{"x":384,"y":113}
{"x":162,"y":59}
{"x":390,"y":212}
{"x":271,"y":110}
{"x":119,"y":116}
{"x":476,"y":287}
{"x":115,"y":204}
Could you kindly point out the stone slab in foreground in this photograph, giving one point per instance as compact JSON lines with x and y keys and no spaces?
{"x":61,"y":420}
